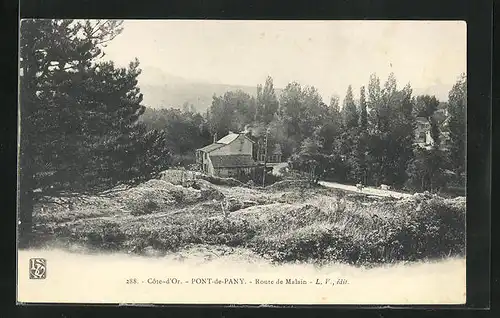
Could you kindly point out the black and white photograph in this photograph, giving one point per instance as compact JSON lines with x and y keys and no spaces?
{"x":242,"y":162}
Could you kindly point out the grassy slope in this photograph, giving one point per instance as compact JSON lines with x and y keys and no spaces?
{"x":281,"y":223}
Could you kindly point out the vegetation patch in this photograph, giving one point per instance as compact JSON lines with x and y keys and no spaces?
{"x":313,"y":230}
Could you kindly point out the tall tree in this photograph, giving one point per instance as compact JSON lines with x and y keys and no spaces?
{"x":363,"y":121}
{"x":49,"y":49}
{"x":425,"y":106}
{"x":231,"y":112}
{"x":79,"y":128}
{"x":374,"y":98}
{"x":267,"y":103}
{"x":349,"y":111}
{"x":334,"y":103}
{"x":457,"y":107}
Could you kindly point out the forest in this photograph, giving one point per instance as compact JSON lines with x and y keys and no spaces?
{"x":84,"y":128}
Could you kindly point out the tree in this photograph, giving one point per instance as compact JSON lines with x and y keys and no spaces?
{"x":310,"y":159}
{"x":302,"y":110}
{"x":231,"y":112}
{"x":426,"y":172}
{"x":49,"y":49}
{"x":390,"y":140}
{"x":334,"y":104}
{"x":291,"y":108}
{"x":374,"y":98}
{"x":267,"y":103}
{"x":349,"y":111}
{"x":457,"y":107}
{"x":363,"y":121}
{"x":425,"y":106}
{"x":79,"y":116}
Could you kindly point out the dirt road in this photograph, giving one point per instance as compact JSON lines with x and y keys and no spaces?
{"x":367,"y":190}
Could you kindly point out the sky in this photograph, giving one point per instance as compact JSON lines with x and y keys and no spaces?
{"x":329,"y":55}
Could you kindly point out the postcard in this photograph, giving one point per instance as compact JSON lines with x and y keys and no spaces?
{"x":242,"y":162}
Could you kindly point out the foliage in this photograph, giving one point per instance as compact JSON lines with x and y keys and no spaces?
{"x":185,"y":131}
{"x":426,"y":171}
{"x":372,"y":142}
{"x":417,"y":228}
{"x":457,"y":106}
{"x":349,"y":110}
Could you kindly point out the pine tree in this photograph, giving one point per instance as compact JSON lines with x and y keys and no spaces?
{"x":350,"y":113}
{"x":363,"y":121}
{"x":334,"y":104}
{"x":374,"y":99}
{"x":52,"y":54}
{"x":79,"y":117}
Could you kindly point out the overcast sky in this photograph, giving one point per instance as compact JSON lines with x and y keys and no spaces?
{"x":329,"y":55}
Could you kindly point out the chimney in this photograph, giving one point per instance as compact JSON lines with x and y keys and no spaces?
{"x":215,"y":137}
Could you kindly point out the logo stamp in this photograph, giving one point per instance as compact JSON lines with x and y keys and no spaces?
{"x":38,"y":268}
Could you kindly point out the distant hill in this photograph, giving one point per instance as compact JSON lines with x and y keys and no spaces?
{"x":162,"y":90}
{"x":198,"y":94}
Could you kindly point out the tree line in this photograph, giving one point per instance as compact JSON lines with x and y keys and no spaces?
{"x":371,"y":140}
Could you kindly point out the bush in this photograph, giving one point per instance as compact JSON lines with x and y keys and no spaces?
{"x":316,"y":243}
{"x":224,"y":231}
{"x":436,"y":230}
{"x":423,"y":226}
{"x":146,"y":205}
{"x":101,"y":235}
{"x":211,"y":194}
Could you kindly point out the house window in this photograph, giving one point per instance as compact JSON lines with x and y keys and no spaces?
{"x":205,"y":155}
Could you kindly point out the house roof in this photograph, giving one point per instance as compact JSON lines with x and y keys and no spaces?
{"x":229,"y":138}
{"x":211,"y":147}
{"x":226,"y":140}
{"x":232,"y":161}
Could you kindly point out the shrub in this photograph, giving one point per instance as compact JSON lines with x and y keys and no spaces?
{"x":224,"y":231}
{"x":308,"y":243}
{"x":143,"y":207}
{"x":211,"y":194}
{"x":102,"y":235}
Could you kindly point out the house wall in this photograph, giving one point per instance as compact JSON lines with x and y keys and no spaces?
{"x":239,"y":146}
{"x":211,"y":171}
{"x":232,"y":172}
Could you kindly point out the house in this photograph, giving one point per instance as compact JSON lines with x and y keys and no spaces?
{"x":423,"y":137}
{"x":230,"y":156}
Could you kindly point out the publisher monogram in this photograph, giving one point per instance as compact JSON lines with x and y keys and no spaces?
{"x":38,"y":268}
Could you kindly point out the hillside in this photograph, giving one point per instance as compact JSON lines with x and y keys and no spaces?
{"x":176,"y":94}
{"x":163,"y":90}
{"x":276,"y":222}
